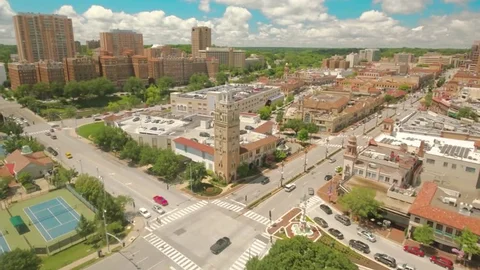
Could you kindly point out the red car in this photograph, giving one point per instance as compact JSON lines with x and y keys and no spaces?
{"x":414,"y":250}
{"x":442,"y":261}
{"x":160,"y":200}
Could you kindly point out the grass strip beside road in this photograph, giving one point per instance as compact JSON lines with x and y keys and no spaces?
{"x":88,"y":130}
{"x":66,"y":257}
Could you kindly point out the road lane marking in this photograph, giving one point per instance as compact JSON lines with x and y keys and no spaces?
{"x":153,"y":266}
{"x":242,"y":204}
{"x":142,"y":260}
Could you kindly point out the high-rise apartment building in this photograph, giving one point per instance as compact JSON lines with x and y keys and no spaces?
{"x":140,"y":67}
{"x":3,"y":73}
{"x":50,"y":71}
{"x":353,"y":59}
{"x":201,"y":39}
{"x":434,"y":59}
{"x":163,"y":51}
{"x":116,"y":69}
{"x":403,"y":58}
{"x":116,"y":42}
{"x":22,"y":73}
{"x":78,"y":47}
{"x":80,"y":69}
{"x":93,"y":44}
{"x":226,"y":56}
{"x":371,"y":55}
{"x":43,"y":37}
{"x":227,"y":137}
{"x":180,"y":69}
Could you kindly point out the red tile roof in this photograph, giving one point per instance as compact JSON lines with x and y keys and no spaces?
{"x":265,"y":127}
{"x":5,"y":171}
{"x":195,"y":145}
{"x":388,"y":120}
{"x":16,"y":161}
{"x":421,"y":207}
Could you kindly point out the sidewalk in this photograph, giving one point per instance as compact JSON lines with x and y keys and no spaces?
{"x":129,"y":239}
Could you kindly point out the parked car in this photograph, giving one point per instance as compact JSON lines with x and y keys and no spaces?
{"x":242,"y":131}
{"x":336,"y":233}
{"x":157,"y":208}
{"x":414,"y":250}
{"x":144,"y":212}
{"x":160,"y":200}
{"x":442,"y":261}
{"x":320,"y":221}
{"x":326,"y":209}
{"x":366,"y":234}
{"x":47,"y":133}
{"x":405,"y":266}
{"x":343,"y":219}
{"x":52,"y":151}
{"x":68,"y":155}
{"x":220,"y":245}
{"x":332,"y":160}
{"x":359,"y":245}
{"x":328,"y":177}
{"x":204,"y":134}
{"x":385,"y":259}
{"x":249,"y":128}
{"x":311,"y":192}
{"x":53,"y":136}
{"x":265,"y":181}
{"x":136,"y":119}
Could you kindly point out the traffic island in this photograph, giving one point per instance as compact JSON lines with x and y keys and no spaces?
{"x":294,"y":223}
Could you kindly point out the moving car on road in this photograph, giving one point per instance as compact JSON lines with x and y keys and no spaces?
{"x":405,"y":266}
{"x":343,"y":219}
{"x":160,"y":200}
{"x":321,"y":222}
{"x":311,"y":192}
{"x":359,"y":245}
{"x":442,"y":261}
{"x":290,"y":187}
{"x":68,"y":155}
{"x":265,"y":181}
{"x":336,"y":233}
{"x":220,"y":245}
{"x":144,"y":212}
{"x":414,"y":250}
{"x":52,"y":151}
{"x":328,"y":177}
{"x":385,"y":259}
{"x":157,"y":208}
{"x":366,"y":234}
{"x":326,"y":209}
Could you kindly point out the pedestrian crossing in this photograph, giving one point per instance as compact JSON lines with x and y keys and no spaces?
{"x":155,"y":224}
{"x":173,"y":254}
{"x":343,"y":135}
{"x":313,"y":201}
{"x":333,"y":145}
{"x":228,"y":206}
{"x":257,"y":217}
{"x":37,"y":132}
{"x":255,"y":249}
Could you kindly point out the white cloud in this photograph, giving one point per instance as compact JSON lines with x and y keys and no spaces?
{"x":403,"y":6}
{"x":371,"y":29}
{"x":204,"y":5}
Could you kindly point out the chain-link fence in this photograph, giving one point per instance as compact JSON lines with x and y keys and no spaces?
{"x":81,"y":198}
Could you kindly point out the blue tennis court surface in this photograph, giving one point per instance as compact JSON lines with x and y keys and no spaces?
{"x":4,"y":247}
{"x":53,"y":218}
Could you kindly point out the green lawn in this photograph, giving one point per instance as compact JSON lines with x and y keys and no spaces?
{"x":97,"y":102}
{"x":66,"y":257}
{"x":88,"y":130}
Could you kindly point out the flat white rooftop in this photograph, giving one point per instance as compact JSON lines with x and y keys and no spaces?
{"x":152,"y":125}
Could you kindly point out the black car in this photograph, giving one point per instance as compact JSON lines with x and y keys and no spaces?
{"x":385,"y":259}
{"x":328,"y":177}
{"x":336,"y":233}
{"x":265,"y":181}
{"x":326,"y":209}
{"x":321,"y":222}
{"x":249,"y":128}
{"x":52,"y":151}
{"x":359,"y":245}
{"x":343,"y":219}
{"x":220,"y":245}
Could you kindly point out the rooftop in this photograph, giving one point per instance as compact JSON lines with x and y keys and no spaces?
{"x":430,"y":123}
{"x":325,"y":101}
{"x":239,"y":91}
{"x":447,"y":207}
{"x":388,"y":159}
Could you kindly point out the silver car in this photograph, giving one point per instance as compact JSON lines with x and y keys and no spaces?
{"x":366,"y":234}
{"x":158,"y":209}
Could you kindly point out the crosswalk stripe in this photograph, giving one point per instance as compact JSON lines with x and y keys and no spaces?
{"x":254,"y":250}
{"x":176,"y":215}
{"x":313,"y":201}
{"x":174,"y":255}
{"x":256,"y":217}
{"x":228,"y":206}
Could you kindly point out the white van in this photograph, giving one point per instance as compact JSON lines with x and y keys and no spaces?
{"x":290,"y":187}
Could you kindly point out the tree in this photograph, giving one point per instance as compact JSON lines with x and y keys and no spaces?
{"x":152,"y":95}
{"x":467,"y":112}
{"x":440,"y":82}
{"x":199,"y":81}
{"x":148,"y":155}
{"x":424,"y":234}
{"x":279,"y":117}
{"x":114,"y":107}
{"x":85,"y":227}
{"x":20,"y":259}
{"x":302,"y":135}
{"x":289,"y":98}
{"x":468,"y":242}
{"x":164,"y":84}
{"x":428,"y":99}
{"x":131,"y":151}
{"x":73,"y":89}
{"x":361,"y":202}
{"x":404,"y":87}
{"x":56,"y":89}
{"x":24,"y":178}
{"x":280,"y":155}
{"x":41,"y":90}
{"x":301,"y":253}
{"x":221,"y":78}
{"x":265,"y":112}
{"x":11,"y":127}
{"x":197,"y":172}
{"x":311,"y":127}
{"x":167,"y":165}
{"x":135,"y":86}
{"x":4,"y":187}
{"x":22,"y":91}
{"x":294,"y":124}
{"x":388,"y":99}
{"x":243,"y":170}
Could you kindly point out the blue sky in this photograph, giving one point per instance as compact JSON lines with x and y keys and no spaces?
{"x":338,"y":23}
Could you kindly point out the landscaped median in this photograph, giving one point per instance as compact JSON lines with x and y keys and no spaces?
{"x":87,"y":131}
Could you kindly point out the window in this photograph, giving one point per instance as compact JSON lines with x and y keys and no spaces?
{"x":416,"y":220}
{"x":470,"y":169}
{"x":439,"y":227}
{"x":395,"y":181}
{"x":449,"y":230}
{"x":430,"y":223}
{"x":381,"y":178}
{"x":430,"y":161}
{"x":387,"y":179}
{"x":445,"y":164}
{"x":454,"y":166}
{"x":360,"y":172}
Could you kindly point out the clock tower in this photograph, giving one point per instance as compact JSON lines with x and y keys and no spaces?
{"x":227,"y":137}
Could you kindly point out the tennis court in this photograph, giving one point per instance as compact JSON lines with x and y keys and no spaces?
{"x":4,"y":247}
{"x":53,"y":218}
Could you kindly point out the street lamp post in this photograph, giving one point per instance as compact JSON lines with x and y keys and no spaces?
{"x":305,"y":161}
{"x":105,"y":226}
{"x":364,"y":128}
{"x":281,"y":177}
{"x":81,"y":166}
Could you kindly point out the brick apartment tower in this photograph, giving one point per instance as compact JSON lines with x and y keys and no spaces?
{"x":227,"y":137}
{"x":117,"y":41}
{"x":22,"y":73}
{"x":43,"y":37}
{"x":50,"y":71}
{"x":201,"y":39}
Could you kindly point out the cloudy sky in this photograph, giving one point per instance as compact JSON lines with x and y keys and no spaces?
{"x":278,"y":23}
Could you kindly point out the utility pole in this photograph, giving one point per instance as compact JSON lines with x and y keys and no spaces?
{"x":364,"y":124}
{"x":106,"y":233}
{"x":81,"y":166}
{"x":305,"y":161}
{"x":281,"y":177}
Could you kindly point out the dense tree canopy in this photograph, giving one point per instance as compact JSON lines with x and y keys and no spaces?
{"x":424,"y":234}
{"x":299,"y":253}
{"x":20,"y":259}
{"x":361,"y":202}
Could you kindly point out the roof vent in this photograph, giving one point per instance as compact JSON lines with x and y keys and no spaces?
{"x":26,"y":150}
